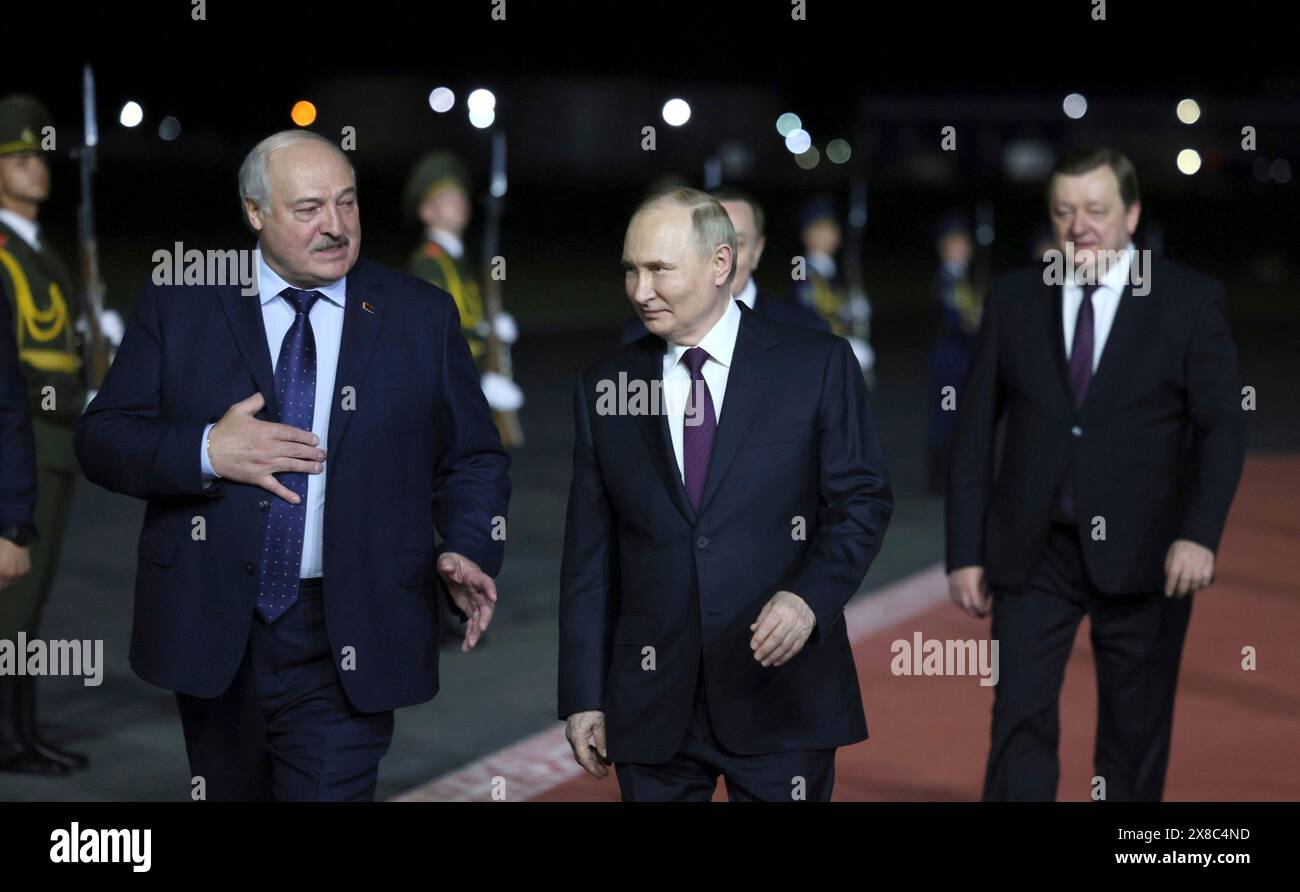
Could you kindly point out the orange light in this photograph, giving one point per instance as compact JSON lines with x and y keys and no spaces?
{"x":304,"y":113}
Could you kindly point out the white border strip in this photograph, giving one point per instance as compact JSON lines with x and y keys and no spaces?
{"x":540,"y":763}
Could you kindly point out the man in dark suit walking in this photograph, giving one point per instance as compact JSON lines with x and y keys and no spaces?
{"x":749,"y":221}
{"x":715,"y":532}
{"x":1116,"y":377}
{"x":286,"y":586}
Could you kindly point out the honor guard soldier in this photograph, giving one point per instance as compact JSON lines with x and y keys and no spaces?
{"x":42,"y":303}
{"x":438,"y":195}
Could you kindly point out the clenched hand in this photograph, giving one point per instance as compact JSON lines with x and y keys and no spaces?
{"x":782,"y":629}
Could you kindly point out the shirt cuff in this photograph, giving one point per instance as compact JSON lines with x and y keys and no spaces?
{"x":204,"y":462}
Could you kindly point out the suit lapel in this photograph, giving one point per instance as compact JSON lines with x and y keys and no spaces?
{"x":746,"y":384}
{"x":1120,"y":344}
{"x":244,"y":312}
{"x":361,"y":326}
{"x":647,"y":366}
{"x":1054,"y":299}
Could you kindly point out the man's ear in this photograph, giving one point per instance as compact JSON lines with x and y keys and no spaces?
{"x":1131,"y":216}
{"x":724,"y":252}
{"x":758,"y":251}
{"x":253,"y":214}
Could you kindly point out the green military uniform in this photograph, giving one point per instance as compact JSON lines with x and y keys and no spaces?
{"x":433,"y":263}
{"x":825,"y":295}
{"x":44,"y":306}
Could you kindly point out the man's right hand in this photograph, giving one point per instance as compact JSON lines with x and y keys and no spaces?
{"x":970,"y":591}
{"x":582,"y":727}
{"x":15,"y":561}
{"x":250,"y":451}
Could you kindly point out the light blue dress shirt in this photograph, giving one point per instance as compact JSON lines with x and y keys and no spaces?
{"x":327,"y":329}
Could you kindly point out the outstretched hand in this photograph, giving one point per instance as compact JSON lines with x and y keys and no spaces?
{"x":473,"y":591}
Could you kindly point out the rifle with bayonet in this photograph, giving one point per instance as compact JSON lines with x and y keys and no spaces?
{"x":95,"y":346}
{"x":497,"y":358}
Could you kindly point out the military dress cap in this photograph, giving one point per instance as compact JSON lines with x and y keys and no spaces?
{"x":953,"y":221}
{"x":22,"y":118}
{"x":819,"y":207}
{"x":433,"y":172}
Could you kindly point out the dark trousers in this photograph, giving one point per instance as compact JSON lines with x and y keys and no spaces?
{"x":692,"y":774}
{"x":1137,"y":642}
{"x":284,"y":729}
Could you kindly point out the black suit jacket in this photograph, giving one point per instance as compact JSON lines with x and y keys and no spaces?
{"x":765,"y":304}
{"x":795,"y":447}
{"x":1157,"y":443}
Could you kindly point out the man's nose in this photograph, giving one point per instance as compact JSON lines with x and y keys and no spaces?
{"x":644,"y":288}
{"x":331,"y":222}
{"x":1079,"y":224}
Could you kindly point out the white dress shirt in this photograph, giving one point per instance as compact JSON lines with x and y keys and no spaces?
{"x":1105,"y":301}
{"x":719,"y":343}
{"x":327,"y":330}
{"x":747,"y":294}
{"x":27,"y":230}
{"x":450,"y":243}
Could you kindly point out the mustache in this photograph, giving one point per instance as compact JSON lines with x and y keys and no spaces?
{"x":330,"y":242}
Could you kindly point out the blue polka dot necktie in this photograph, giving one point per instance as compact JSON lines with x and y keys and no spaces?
{"x":295,"y":388}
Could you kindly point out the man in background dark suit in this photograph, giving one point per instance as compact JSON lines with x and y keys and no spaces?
{"x":714,"y":536}
{"x":1120,"y":394}
{"x":749,"y":221}
{"x":290,"y":627}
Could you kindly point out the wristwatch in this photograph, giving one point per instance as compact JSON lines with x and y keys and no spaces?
{"x":20,"y":534}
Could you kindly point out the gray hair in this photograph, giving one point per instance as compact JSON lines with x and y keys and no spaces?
{"x":252,"y":173}
{"x":710,"y":224}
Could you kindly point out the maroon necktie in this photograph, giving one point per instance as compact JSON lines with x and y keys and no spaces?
{"x":1080,"y":377}
{"x":698,"y":427}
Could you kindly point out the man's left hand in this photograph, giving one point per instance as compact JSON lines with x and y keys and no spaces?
{"x":782,"y":629}
{"x":473,"y":591}
{"x":1189,"y":567}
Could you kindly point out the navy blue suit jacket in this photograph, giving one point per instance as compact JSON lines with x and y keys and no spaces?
{"x":416,"y":451}
{"x":17,"y":447}
{"x":796,"y":498}
{"x":765,"y":304}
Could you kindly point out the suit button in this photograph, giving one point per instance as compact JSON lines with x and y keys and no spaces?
{"x":263,"y":505}
{"x":702,"y":542}
{"x":250,"y":568}
{"x":1076,"y":431}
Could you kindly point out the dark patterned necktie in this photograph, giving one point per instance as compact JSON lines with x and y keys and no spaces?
{"x":698,"y":427}
{"x":1083,"y":347}
{"x":1081,"y":352}
{"x":295,"y":388}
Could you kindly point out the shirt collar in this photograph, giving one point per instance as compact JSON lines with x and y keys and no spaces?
{"x":824,"y":264}
{"x":1117,"y":275}
{"x":270,"y":284}
{"x":719,"y":343}
{"x":450,"y":243}
{"x":27,"y":230}
{"x":748,"y":293}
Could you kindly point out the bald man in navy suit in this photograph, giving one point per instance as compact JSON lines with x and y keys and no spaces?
{"x":293,"y":626}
